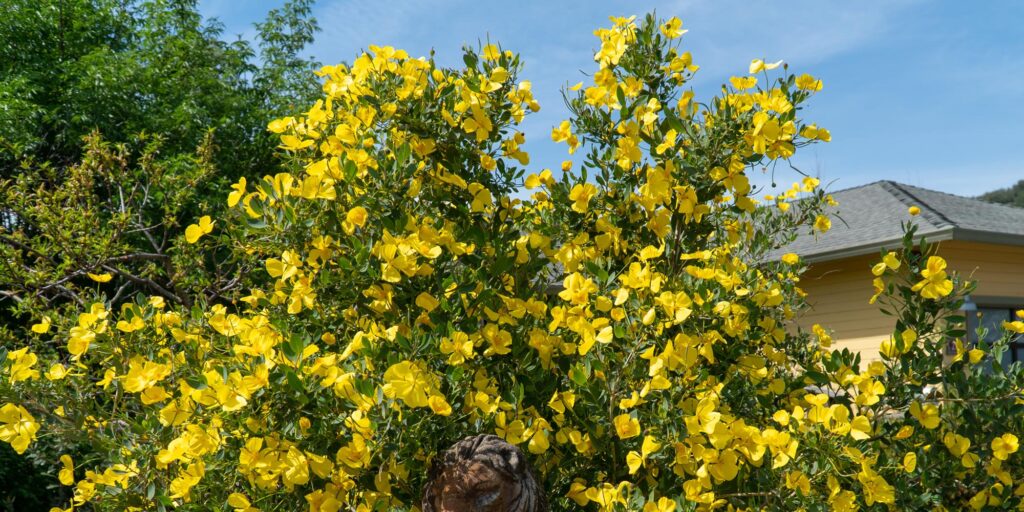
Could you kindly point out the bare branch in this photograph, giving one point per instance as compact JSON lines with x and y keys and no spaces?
{"x":136,"y":256}
{"x":148,"y":283}
{"x":120,"y":291}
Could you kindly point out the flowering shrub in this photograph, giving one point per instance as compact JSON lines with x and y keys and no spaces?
{"x":626,"y":324}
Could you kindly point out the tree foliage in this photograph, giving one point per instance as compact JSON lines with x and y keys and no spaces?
{"x":118,"y":121}
{"x":626,"y":324}
{"x":124,"y":67}
{"x":1013,"y":195}
{"x":126,"y":118}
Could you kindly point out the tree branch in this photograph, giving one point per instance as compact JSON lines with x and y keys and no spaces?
{"x":143,"y":256}
{"x":148,"y":283}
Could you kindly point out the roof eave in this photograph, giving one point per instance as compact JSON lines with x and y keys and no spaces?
{"x":947,"y":233}
{"x":988,"y":237}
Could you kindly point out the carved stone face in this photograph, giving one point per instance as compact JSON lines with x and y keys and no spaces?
{"x":473,"y":487}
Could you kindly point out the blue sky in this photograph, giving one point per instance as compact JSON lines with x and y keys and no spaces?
{"x":928,"y":93}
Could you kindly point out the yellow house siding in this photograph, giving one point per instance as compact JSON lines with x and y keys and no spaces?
{"x":838,"y":291}
{"x":998,"y":269}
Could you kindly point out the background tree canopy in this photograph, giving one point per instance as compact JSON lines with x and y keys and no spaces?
{"x":172,"y":111}
{"x":1012,"y":195}
{"x":124,"y":67}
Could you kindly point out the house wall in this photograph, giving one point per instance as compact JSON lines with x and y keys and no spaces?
{"x":838,"y":291}
{"x":998,"y":269}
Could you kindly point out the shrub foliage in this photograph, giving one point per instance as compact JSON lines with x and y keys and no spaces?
{"x":630,"y":323}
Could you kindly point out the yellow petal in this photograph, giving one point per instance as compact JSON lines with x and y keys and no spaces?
{"x":192,"y":233}
{"x":910,"y":462}
{"x":426,"y":301}
{"x":634,"y":461}
{"x":100,"y":278}
{"x":43,"y":326}
{"x":238,"y":500}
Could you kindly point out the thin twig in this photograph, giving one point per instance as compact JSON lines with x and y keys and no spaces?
{"x":147,"y":282}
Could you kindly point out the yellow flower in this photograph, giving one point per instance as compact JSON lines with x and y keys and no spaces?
{"x":927,"y":415}
{"x":935,"y":285}
{"x":488,"y":162}
{"x":238,"y":501}
{"x":356,"y":216}
{"x":635,"y":460}
{"x":956,"y":443}
{"x":790,"y":258}
{"x":889,"y":348}
{"x":913,"y":210}
{"x":427,"y":301}
{"x":891,"y":261}
{"x":439,"y":405}
{"x":562,"y":132}
{"x":535,"y":180}
{"x":66,"y":475}
{"x":662,"y":505}
{"x":807,"y":82}
{"x":878,"y":269}
{"x":17,"y":427}
{"x":580,"y":195}
{"x":238,"y":190}
{"x":578,"y":492}
{"x":22,"y":364}
{"x":143,"y":374}
{"x":626,"y":426}
{"x":280,"y":125}
{"x":100,"y":278}
{"x":410,"y":382}
{"x":42,"y":327}
{"x":673,"y":28}
{"x":56,"y":372}
{"x":607,"y":495}
{"x":577,"y":289}
{"x":499,"y":74}
{"x":758,"y":65}
{"x":132,"y":325}
{"x":822,"y":223}
{"x":1003,"y":446}
{"x":879,"y":286}
{"x":1016,"y":326}
{"x":195,"y":231}
{"x":860,"y":427}
{"x":875,"y":488}
{"x":491,"y":52}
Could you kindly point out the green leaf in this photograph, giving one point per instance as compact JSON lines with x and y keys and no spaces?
{"x":579,"y":374}
{"x":196,"y":382}
{"x":294,"y":382}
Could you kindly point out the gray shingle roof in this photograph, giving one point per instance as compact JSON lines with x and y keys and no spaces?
{"x":869,"y":217}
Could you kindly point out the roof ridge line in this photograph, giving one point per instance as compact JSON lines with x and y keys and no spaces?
{"x":969,"y":198}
{"x":855,"y":187}
{"x":898,"y":190}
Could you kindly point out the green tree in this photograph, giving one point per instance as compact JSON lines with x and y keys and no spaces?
{"x":124,"y":67}
{"x":1012,"y":195}
{"x":119,"y":121}
{"x":142,"y":85}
